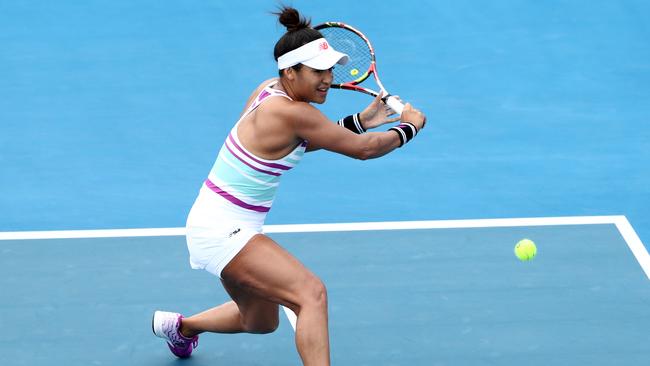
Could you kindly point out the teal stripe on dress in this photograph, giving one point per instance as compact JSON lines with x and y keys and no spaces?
{"x":226,"y":154}
{"x":300,"y":151}
{"x":295,"y":156}
{"x":247,"y":189}
{"x":291,"y":161}
{"x":253,"y":194}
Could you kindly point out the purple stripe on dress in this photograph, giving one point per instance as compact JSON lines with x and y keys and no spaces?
{"x":263,"y":95}
{"x":234,"y":199}
{"x":250,"y":165}
{"x":270,"y":165}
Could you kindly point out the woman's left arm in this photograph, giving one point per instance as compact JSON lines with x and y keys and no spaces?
{"x":376,"y":114}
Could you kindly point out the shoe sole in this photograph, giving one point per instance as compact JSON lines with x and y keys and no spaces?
{"x":156,"y":332}
{"x":153,"y":317}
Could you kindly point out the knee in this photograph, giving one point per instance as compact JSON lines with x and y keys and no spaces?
{"x":314,"y":293}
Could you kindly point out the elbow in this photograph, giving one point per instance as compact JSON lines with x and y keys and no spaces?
{"x":368,"y":150}
{"x":363,"y":156}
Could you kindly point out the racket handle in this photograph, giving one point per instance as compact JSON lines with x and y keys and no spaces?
{"x":395,"y":104}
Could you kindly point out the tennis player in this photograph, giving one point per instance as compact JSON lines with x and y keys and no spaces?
{"x":224,"y":227}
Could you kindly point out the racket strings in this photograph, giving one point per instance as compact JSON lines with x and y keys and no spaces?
{"x":355,"y":47}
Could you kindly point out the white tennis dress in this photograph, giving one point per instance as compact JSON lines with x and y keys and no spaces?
{"x":233,"y":202}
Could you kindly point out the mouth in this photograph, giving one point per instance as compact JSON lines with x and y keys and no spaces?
{"x":323,"y":90}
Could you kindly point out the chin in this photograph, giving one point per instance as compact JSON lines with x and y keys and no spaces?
{"x":320,"y":100}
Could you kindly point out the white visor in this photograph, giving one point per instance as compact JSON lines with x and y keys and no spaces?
{"x":316,"y":54}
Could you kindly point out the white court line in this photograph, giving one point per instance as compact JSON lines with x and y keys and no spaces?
{"x":90,"y":234}
{"x":634,"y":243}
{"x":308,"y":228}
{"x":622,"y":224}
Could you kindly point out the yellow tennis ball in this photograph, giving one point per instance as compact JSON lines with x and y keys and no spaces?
{"x":525,"y":250}
{"x":354,"y":72}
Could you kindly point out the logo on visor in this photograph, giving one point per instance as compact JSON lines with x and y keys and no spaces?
{"x":323,"y":46}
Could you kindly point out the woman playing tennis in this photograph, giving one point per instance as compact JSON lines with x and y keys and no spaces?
{"x":224,"y":227}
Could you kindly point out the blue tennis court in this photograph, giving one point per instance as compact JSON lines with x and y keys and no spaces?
{"x":442,"y":296}
{"x":111,"y":114}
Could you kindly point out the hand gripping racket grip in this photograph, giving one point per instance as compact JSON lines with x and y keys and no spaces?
{"x":394,"y":104}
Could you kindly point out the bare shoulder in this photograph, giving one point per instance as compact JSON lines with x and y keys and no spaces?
{"x":265,"y":83}
{"x":294,"y":112}
{"x":256,"y":92}
{"x":261,"y":86}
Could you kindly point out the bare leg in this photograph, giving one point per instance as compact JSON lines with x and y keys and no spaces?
{"x":224,"y":318}
{"x":261,"y":276}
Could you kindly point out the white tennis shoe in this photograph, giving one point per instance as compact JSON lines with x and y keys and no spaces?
{"x":167,"y":325}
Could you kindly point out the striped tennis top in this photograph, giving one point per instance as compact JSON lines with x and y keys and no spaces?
{"x":244,"y":179}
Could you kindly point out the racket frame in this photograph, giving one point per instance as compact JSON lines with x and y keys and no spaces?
{"x":389,"y":99}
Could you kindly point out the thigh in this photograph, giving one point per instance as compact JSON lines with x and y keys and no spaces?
{"x":257,"y":312}
{"x":264,"y":270}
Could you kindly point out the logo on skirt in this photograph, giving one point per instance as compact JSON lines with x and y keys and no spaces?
{"x":234,"y":233}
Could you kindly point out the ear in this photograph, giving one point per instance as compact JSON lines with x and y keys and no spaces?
{"x":289,"y":73}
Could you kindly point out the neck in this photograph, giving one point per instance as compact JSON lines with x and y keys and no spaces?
{"x":285,"y":86}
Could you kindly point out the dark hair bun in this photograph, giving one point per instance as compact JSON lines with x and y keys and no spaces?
{"x":290,"y":18}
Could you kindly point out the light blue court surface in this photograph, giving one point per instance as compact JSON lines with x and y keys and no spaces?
{"x":112,"y":113}
{"x":402,"y":297}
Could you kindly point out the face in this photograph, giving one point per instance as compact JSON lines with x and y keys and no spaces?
{"x":311,"y":85}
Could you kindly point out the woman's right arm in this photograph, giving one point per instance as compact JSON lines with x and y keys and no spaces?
{"x":311,"y":125}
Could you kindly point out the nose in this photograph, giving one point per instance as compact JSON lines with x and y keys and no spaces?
{"x":328,"y":76}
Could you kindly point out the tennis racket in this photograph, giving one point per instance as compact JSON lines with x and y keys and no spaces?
{"x":356,"y":45}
